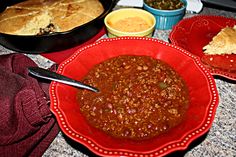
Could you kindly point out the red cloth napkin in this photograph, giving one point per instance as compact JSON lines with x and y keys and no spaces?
{"x":27,"y":127}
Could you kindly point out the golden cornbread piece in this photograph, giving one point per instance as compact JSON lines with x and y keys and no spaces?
{"x":34,"y":17}
{"x":68,"y":14}
{"x":223,"y":43}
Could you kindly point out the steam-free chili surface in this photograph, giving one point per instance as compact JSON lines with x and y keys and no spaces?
{"x":140,"y":97}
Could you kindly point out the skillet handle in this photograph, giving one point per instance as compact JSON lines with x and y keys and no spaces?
{"x":114,"y":2}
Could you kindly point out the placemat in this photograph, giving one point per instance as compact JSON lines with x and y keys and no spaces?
{"x":60,"y":56}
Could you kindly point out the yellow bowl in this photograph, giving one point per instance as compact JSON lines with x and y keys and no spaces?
{"x":135,"y":22}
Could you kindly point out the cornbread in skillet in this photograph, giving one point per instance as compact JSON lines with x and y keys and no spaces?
{"x":223,"y":43}
{"x":46,"y":16}
{"x":68,"y":14}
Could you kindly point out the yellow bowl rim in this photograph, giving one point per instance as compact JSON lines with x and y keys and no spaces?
{"x":150,"y":29}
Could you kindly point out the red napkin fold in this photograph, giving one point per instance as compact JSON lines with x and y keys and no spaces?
{"x":27,"y":127}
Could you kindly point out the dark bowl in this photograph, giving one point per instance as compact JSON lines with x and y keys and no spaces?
{"x":33,"y":44}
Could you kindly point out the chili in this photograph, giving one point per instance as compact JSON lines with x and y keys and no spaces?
{"x":140,"y":97}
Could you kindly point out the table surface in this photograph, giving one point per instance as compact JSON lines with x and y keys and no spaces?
{"x":219,"y":141}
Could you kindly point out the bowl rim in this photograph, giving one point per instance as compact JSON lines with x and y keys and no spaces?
{"x":147,"y":31}
{"x":166,"y":148}
{"x":153,"y":10}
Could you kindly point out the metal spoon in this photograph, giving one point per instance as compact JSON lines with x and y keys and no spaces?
{"x":49,"y":75}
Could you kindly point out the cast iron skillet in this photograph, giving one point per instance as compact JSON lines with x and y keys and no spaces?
{"x":56,"y":41}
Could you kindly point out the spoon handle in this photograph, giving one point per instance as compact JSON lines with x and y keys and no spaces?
{"x":49,"y":75}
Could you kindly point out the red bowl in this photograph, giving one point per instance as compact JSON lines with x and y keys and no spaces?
{"x":200,"y":83}
{"x":194,"y":33}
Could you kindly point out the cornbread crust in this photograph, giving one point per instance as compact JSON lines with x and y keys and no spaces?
{"x":68,"y":14}
{"x":223,"y":43}
{"x":28,"y":17}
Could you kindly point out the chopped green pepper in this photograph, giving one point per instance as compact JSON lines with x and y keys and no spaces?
{"x":165,"y":4}
{"x":163,"y":85}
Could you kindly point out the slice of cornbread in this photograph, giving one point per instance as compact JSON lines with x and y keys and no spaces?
{"x":223,"y":43}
